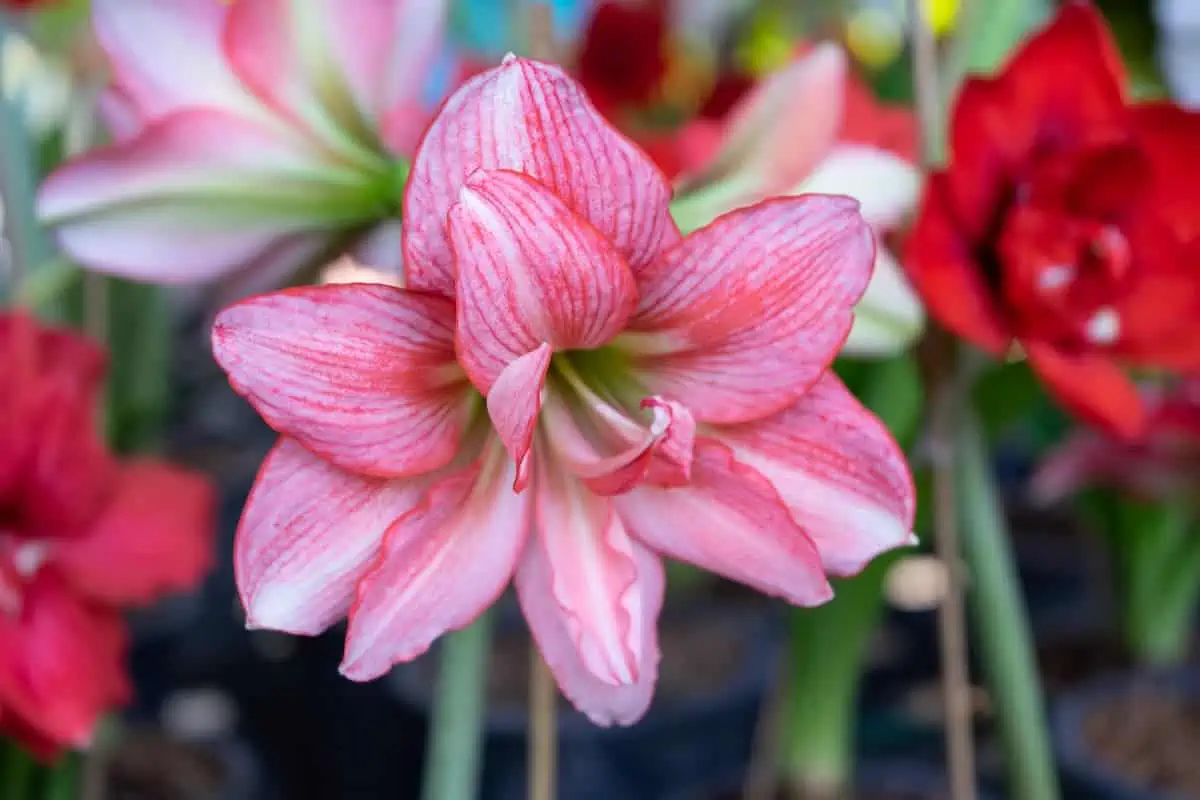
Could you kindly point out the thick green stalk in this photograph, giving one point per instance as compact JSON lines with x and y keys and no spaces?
{"x":17,"y":772}
{"x":453,"y":758}
{"x":827,"y":649}
{"x":1001,"y":623}
{"x":62,"y":780}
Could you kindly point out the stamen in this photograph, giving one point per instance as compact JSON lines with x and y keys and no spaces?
{"x":1055,"y":277}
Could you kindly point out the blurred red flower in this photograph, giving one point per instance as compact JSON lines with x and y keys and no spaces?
{"x":82,"y":535}
{"x":1067,"y":221}
{"x":623,"y":57}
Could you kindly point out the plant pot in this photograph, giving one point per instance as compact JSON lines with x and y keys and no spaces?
{"x":1131,"y":736}
{"x":718,"y":662}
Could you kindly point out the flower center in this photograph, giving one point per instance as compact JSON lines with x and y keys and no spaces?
{"x":20,"y":560}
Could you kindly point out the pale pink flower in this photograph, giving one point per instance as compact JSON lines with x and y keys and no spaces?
{"x":253,"y":138}
{"x":565,"y":392}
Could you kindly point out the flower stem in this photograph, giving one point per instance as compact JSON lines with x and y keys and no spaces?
{"x":453,"y":760}
{"x":543,"y":730}
{"x":17,"y":772}
{"x":1002,"y":624}
{"x":827,"y":647}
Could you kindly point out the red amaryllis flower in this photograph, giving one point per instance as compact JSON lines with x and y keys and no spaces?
{"x":82,"y":535}
{"x":566,"y":391}
{"x":1163,"y":463}
{"x":1067,"y":221}
{"x":623,"y":57}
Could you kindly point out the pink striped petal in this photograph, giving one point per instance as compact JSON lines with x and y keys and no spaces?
{"x":745,"y":314}
{"x":785,"y":126}
{"x":731,"y":521}
{"x":593,"y":574}
{"x":362,"y":375}
{"x":551,"y":626}
{"x":308,"y":534}
{"x":531,"y":118}
{"x":442,"y":565}
{"x":530,"y":271}
{"x":141,"y":36}
{"x":839,"y":471}
{"x":514,"y":403}
{"x":611,"y":453}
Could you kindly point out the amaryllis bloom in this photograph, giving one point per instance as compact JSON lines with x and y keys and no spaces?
{"x":813,"y":127}
{"x":1161,"y":464}
{"x":253,"y":138}
{"x":1066,"y":221}
{"x":82,"y":536}
{"x":565,"y":392}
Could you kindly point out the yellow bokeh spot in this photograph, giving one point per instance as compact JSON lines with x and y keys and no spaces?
{"x":766,"y":45}
{"x":875,"y":37}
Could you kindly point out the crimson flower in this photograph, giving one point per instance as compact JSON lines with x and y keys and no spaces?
{"x":566,"y":391}
{"x":82,"y":536}
{"x":1067,"y":221}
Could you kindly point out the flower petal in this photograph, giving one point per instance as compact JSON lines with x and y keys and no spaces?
{"x":742,"y":316}
{"x":140,"y":36}
{"x":442,"y":565}
{"x":208,"y":187}
{"x":729,"y":520}
{"x":786,"y":124}
{"x":362,"y":375}
{"x":889,"y":318}
{"x":155,"y":536}
{"x":941,"y":265}
{"x":886,"y":186}
{"x":603,"y":702}
{"x":1092,"y":386}
{"x":610,"y":452}
{"x":530,"y":272}
{"x":308,"y":534}
{"x":593,"y":574}
{"x":531,"y":118}
{"x":61,"y":664}
{"x":838,"y":470}
{"x":514,"y":403}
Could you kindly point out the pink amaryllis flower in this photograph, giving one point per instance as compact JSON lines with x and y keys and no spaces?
{"x":565,"y":392}
{"x":253,"y":138}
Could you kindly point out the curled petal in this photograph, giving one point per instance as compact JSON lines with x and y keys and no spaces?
{"x":729,"y":520}
{"x":531,"y":118}
{"x":603,"y":702}
{"x":362,"y":375}
{"x":530,"y":270}
{"x":514,"y":403}
{"x":838,"y":470}
{"x":154,"y":536}
{"x":442,"y":565}
{"x":740,"y":318}
{"x":610,"y":452}
{"x":308,"y":533}
{"x":886,"y":186}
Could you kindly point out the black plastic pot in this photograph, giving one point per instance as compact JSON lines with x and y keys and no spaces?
{"x":681,"y":742}
{"x":1085,"y":773}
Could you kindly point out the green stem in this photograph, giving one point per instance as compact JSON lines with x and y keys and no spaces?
{"x":452,"y":762}
{"x":1002,"y":624}
{"x":61,"y":780}
{"x":827,"y":649}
